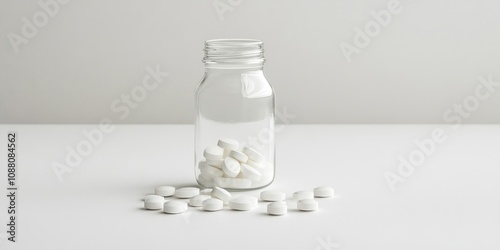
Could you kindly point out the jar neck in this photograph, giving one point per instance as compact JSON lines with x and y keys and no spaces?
{"x":233,"y":71}
{"x":234,"y":54}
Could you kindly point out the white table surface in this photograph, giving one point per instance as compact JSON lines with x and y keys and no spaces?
{"x":452,"y":201}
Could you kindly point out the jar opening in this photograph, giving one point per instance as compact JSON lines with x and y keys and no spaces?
{"x":234,"y":53}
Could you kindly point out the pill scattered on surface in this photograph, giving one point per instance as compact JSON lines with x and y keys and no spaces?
{"x":213,"y":153}
{"x":231,"y":167}
{"x":187,"y":192}
{"x":277,"y":208}
{"x":323,"y":192}
{"x":150,"y":196}
{"x":175,"y":207}
{"x":206,"y":191}
{"x":253,"y":154}
{"x":243,"y":203}
{"x":307,"y":205}
{"x":165,"y":191}
{"x":238,"y":156}
{"x":300,"y":195}
{"x":270,"y":195}
{"x":250,"y":173}
{"x":153,"y":202}
{"x":212,"y":204}
{"x":221,"y":194}
{"x":196,"y":201}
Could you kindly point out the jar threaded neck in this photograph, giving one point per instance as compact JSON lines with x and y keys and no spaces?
{"x":234,"y":53}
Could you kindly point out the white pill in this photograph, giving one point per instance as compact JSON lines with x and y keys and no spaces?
{"x":238,"y":156}
{"x":196,"y":201}
{"x":204,"y":181}
{"x":153,"y":202}
{"x":307,"y":205}
{"x":212,"y":204}
{"x":213,"y":153}
{"x":187,"y":192}
{"x":250,"y":173}
{"x":151,"y":196}
{"x":175,"y":207}
{"x":210,"y":172}
{"x":215,"y":163}
{"x":165,"y":191}
{"x":233,"y":182}
{"x":231,"y":167}
{"x":300,"y":195}
{"x":257,"y":165}
{"x":221,"y":194}
{"x":243,"y":203}
{"x":277,"y":208}
{"x":228,"y":144}
{"x":206,"y":191}
{"x":323,"y":192}
{"x":253,"y":154}
{"x":270,"y":195}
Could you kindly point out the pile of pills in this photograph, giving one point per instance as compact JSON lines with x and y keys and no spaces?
{"x":228,"y":166}
{"x":214,"y":199}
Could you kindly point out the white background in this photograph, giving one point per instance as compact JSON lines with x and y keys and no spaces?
{"x":428,"y":58}
{"x":448,"y":202}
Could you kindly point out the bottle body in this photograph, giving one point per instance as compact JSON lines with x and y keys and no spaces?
{"x":235,"y":111}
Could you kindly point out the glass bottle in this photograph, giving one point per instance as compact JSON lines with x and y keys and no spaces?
{"x":234,"y":105}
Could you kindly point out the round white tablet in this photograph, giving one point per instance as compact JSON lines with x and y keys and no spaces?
{"x":323,"y":192}
{"x":152,"y":196}
{"x":215,"y":163}
{"x":221,"y":194}
{"x":253,"y":154}
{"x":250,"y":173}
{"x":300,"y":195}
{"x":238,"y":156}
{"x":258,"y":165}
{"x":196,"y":201}
{"x":212,"y":204}
{"x":270,"y":195}
{"x":213,"y":153}
{"x":165,"y":191}
{"x":307,"y":205}
{"x":231,"y":167}
{"x":187,"y":192}
{"x":210,"y":172}
{"x":206,"y":191}
{"x":175,"y":207}
{"x":228,"y":144}
{"x":204,"y":181}
{"x":153,"y":202}
{"x":277,"y":208}
{"x":243,"y":203}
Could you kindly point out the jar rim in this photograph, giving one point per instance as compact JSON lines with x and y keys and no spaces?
{"x":233,"y":42}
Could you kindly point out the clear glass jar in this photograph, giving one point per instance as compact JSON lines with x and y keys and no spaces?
{"x":234,"y":105}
